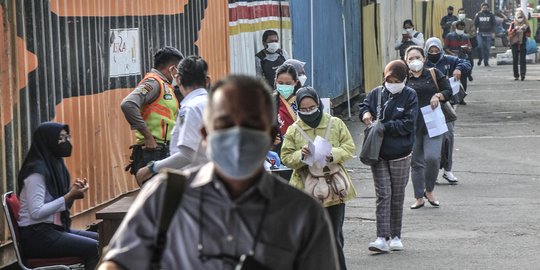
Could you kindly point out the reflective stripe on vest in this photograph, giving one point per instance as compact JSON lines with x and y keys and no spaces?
{"x":160,"y":115}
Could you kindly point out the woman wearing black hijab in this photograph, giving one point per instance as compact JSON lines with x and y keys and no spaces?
{"x":314,"y":122}
{"x":46,"y":196}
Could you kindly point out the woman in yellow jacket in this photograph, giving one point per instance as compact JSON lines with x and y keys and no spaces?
{"x":314,"y":122}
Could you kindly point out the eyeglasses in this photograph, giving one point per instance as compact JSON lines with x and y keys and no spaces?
{"x":64,"y":137}
{"x":309,"y":109}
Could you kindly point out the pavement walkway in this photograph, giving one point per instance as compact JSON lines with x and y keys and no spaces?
{"x":491,"y":220}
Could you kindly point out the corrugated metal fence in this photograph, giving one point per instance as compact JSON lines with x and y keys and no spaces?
{"x":73,"y":61}
{"x":328,"y":63}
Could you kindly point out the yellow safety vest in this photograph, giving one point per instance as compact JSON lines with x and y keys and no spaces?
{"x":160,"y":115}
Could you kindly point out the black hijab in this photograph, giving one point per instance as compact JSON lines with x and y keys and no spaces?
{"x":311,"y":120}
{"x":44,"y":158}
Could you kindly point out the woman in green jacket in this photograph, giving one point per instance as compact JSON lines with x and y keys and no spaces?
{"x":295,"y":153}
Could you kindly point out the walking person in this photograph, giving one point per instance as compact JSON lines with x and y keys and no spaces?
{"x":521,"y":30}
{"x":409,"y":37}
{"x":391,"y":173}
{"x":286,"y":82}
{"x":469,"y":30}
{"x":314,"y":122}
{"x":46,"y":197}
{"x":426,"y":157}
{"x":451,"y":66}
{"x":486,"y":25}
{"x":446,"y":21}
{"x":270,"y":58}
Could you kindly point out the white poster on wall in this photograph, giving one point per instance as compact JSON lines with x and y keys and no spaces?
{"x":124,"y":52}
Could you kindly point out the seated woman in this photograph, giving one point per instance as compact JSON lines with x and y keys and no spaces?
{"x":314,"y":122}
{"x":46,"y":197}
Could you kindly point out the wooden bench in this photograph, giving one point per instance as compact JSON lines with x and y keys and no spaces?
{"x":111,"y":217}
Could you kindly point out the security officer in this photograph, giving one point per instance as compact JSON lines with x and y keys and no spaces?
{"x":186,"y":139}
{"x":270,"y":58}
{"x":151,"y":109}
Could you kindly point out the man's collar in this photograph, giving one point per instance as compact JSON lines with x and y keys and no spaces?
{"x":206,"y":175}
{"x":194,"y":93}
{"x":161,"y":75}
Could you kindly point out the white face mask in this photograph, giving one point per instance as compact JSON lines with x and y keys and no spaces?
{"x":460,"y":32}
{"x":272,"y":47}
{"x":302,"y":79}
{"x":409,"y":30}
{"x":416,"y":65}
{"x":519,"y":19}
{"x":461,"y":16}
{"x":394,"y":88}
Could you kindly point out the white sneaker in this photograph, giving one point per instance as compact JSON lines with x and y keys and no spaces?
{"x":379,"y":245}
{"x":449,"y":176}
{"x":395,"y":244}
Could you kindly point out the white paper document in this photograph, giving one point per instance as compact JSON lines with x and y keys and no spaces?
{"x":320,"y":149}
{"x":309,"y":160}
{"x":434,"y":119}
{"x":455,"y":85}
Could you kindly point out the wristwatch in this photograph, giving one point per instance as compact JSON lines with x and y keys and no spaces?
{"x":151,"y":166}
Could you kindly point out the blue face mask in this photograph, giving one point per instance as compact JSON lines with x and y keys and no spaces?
{"x":285,"y":90}
{"x":238,"y":152}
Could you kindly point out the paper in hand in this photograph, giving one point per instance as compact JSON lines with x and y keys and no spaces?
{"x":454,"y":83}
{"x":434,"y":120}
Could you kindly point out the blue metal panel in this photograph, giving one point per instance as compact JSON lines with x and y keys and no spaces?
{"x":329,"y":62}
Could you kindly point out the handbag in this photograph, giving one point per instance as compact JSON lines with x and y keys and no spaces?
{"x":459,"y":96}
{"x":373,"y":137}
{"x":449,"y":113}
{"x":326,"y":184}
{"x":513,"y":37}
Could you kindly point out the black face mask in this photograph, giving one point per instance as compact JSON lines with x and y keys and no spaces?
{"x":313,"y":120}
{"x":434,"y":57}
{"x":63,"y":149}
{"x":450,"y":13}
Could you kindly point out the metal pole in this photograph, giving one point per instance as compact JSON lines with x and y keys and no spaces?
{"x":346,"y":61}
{"x":312,"y":49}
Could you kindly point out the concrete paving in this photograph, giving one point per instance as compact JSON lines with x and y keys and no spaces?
{"x":491,"y":220}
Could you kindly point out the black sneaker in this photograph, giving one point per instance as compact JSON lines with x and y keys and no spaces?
{"x":470,"y":78}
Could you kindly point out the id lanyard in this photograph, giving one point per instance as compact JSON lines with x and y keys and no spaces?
{"x":224,"y":256}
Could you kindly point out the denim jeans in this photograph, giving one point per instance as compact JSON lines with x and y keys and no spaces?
{"x":46,"y":240}
{"x":484,"y":45}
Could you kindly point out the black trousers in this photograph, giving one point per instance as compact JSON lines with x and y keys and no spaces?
{"x":45,"y":240}
{"x":337,"y":217}
{"x":519,"y":52}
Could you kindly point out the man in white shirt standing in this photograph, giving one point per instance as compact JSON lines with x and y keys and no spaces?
{"x":186,"y":147}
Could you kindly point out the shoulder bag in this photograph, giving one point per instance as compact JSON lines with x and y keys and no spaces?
{"x":373,"y":137}
{"x":326,"y":184}
{"x":447,"y":109}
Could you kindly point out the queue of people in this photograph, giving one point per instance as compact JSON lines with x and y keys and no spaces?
{"x":218,"y":138}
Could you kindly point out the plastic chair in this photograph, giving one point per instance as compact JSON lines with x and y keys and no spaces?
{"x":11,"y":205}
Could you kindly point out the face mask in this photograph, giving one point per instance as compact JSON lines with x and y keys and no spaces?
{"x":285,"y":90}
{"x":484,"y":10}
{"x":409,"y":30}
{"x":272,"y":47}
{"x":461,"y":16}
{"x":311,"y":118}
{"x":63,"y":149}
{"x":434,"y":57}
{"x":460,"y":32}
{"x":519,"y":19}
{"x":416,"y":65}
{"x":450,"y":13}
{"x":394,"y":88}
{"x":174,"y":83}
{"x":302,"y":79}
{"x":238,"y":152}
